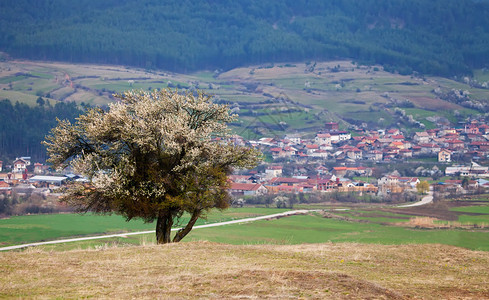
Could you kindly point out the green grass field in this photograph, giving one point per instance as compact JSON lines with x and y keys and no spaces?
{"x":316,"y":229}
{"x":481,"y":75}
{"x":365,"y":225}
{"x":313,"y":228}
{"x":34,"y":228}
{"x":375,"y":216}
{"x":480,"y":217}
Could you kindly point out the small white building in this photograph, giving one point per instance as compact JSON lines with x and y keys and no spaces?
{"x":294,"y":139}
{"x":273,"y":171}
{"x":19,"y":165}
{"x":338,"y":136}
{"x":323,"y":139}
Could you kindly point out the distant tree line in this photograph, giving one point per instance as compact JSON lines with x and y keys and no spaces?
{"x":22,"y":128}
{"x":443,"y":37}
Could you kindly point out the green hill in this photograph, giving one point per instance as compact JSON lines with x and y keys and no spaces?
{"x":443,"y":37}
{"x":271,"y":99}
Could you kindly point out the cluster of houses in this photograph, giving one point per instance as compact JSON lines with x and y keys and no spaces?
{"x":24,"y":177}
{"x":380,"y":146}
{"x":346,"y":150}
{"x":272,"y":182}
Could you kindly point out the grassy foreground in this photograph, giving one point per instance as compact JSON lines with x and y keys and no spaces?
{"x":209,"y":270}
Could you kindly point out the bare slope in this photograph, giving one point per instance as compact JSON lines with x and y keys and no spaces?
{"x":209,"y":270}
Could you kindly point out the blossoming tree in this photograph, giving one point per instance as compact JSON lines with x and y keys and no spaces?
{"x":151,"y":155}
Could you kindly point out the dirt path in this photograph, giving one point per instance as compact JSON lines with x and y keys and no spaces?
{"x":425,"y":200}
{"x":267,"y":217}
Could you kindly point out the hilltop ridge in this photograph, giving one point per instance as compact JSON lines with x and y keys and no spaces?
{"x":443,"y":37}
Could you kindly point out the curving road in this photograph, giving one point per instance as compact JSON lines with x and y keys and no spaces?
{"x":425,"y":200}
{"x":267,"y":217}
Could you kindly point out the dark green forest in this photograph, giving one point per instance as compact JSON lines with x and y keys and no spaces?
{"x":442,"y":37}
{"x":22,"y":128}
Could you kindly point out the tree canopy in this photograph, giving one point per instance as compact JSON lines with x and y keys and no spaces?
{"x":423,"y":187}
{"x":151,"y":155}
{"x":443,"y":37}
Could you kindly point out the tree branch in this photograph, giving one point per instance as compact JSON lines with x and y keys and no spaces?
{"x":184,"y":231}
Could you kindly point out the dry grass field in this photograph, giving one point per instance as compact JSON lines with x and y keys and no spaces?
{"x":206,"y":270}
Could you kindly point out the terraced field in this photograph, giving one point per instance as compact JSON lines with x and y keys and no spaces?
{"x":270,"y":99}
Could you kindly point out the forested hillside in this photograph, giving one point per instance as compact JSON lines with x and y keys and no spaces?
{"x":443,"y":37}
{"x":22,"y":128}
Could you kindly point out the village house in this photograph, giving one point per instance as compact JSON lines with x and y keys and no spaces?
{"x":27,"y":159}
{"x":358,"y":188}
{"x":479,"y":145}
{"x":327,"y":184}
{"x":457,"y":171}
{"x":273,"y":189}
{"x":290,"y":181}
{"x":397,"y":144}
{"x":456,"y":186}
{"x":339,"y":171}
{"x":354,"y":153}
{"x":267,"y":142}
{"x":290,"y":151}
{"x":277,"y":152}
{"x":5,"y":188}
{"x":294,"y":139}
{"x":383,"y":142}
{"x":393,"y":131}
{"x":40,"y":168}
{"x":421,"y":137}
{"x":474,"y":170}
{"x":447,"y":131}
{"x":397,"y":137}
{"x":311,"y":148}
{"x":331,"y":126}
{"x":273,"y":171}
{"x":374,"y":155}
{"x":389,"y":180}
{"x":409,"y":182}
{"x":445,"y":155}
{"x":406,"y":153}
{"x":338,"y":136}
{"x":247,"y":189}
{"x":430,"y":148}
{"x":320,"y":153}
{"x":475,"y":137}
{"x":455,"y":144}
{"x":240,"y":178}
{"x":323,"y":139}
{"x":20,"y":165}
{"x":484,"y":128}
{"x":472,"y":127}
{"x":321,"y":170}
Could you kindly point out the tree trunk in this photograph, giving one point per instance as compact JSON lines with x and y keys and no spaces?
{"x":163,"y":228}
{"x":184,"y":231}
